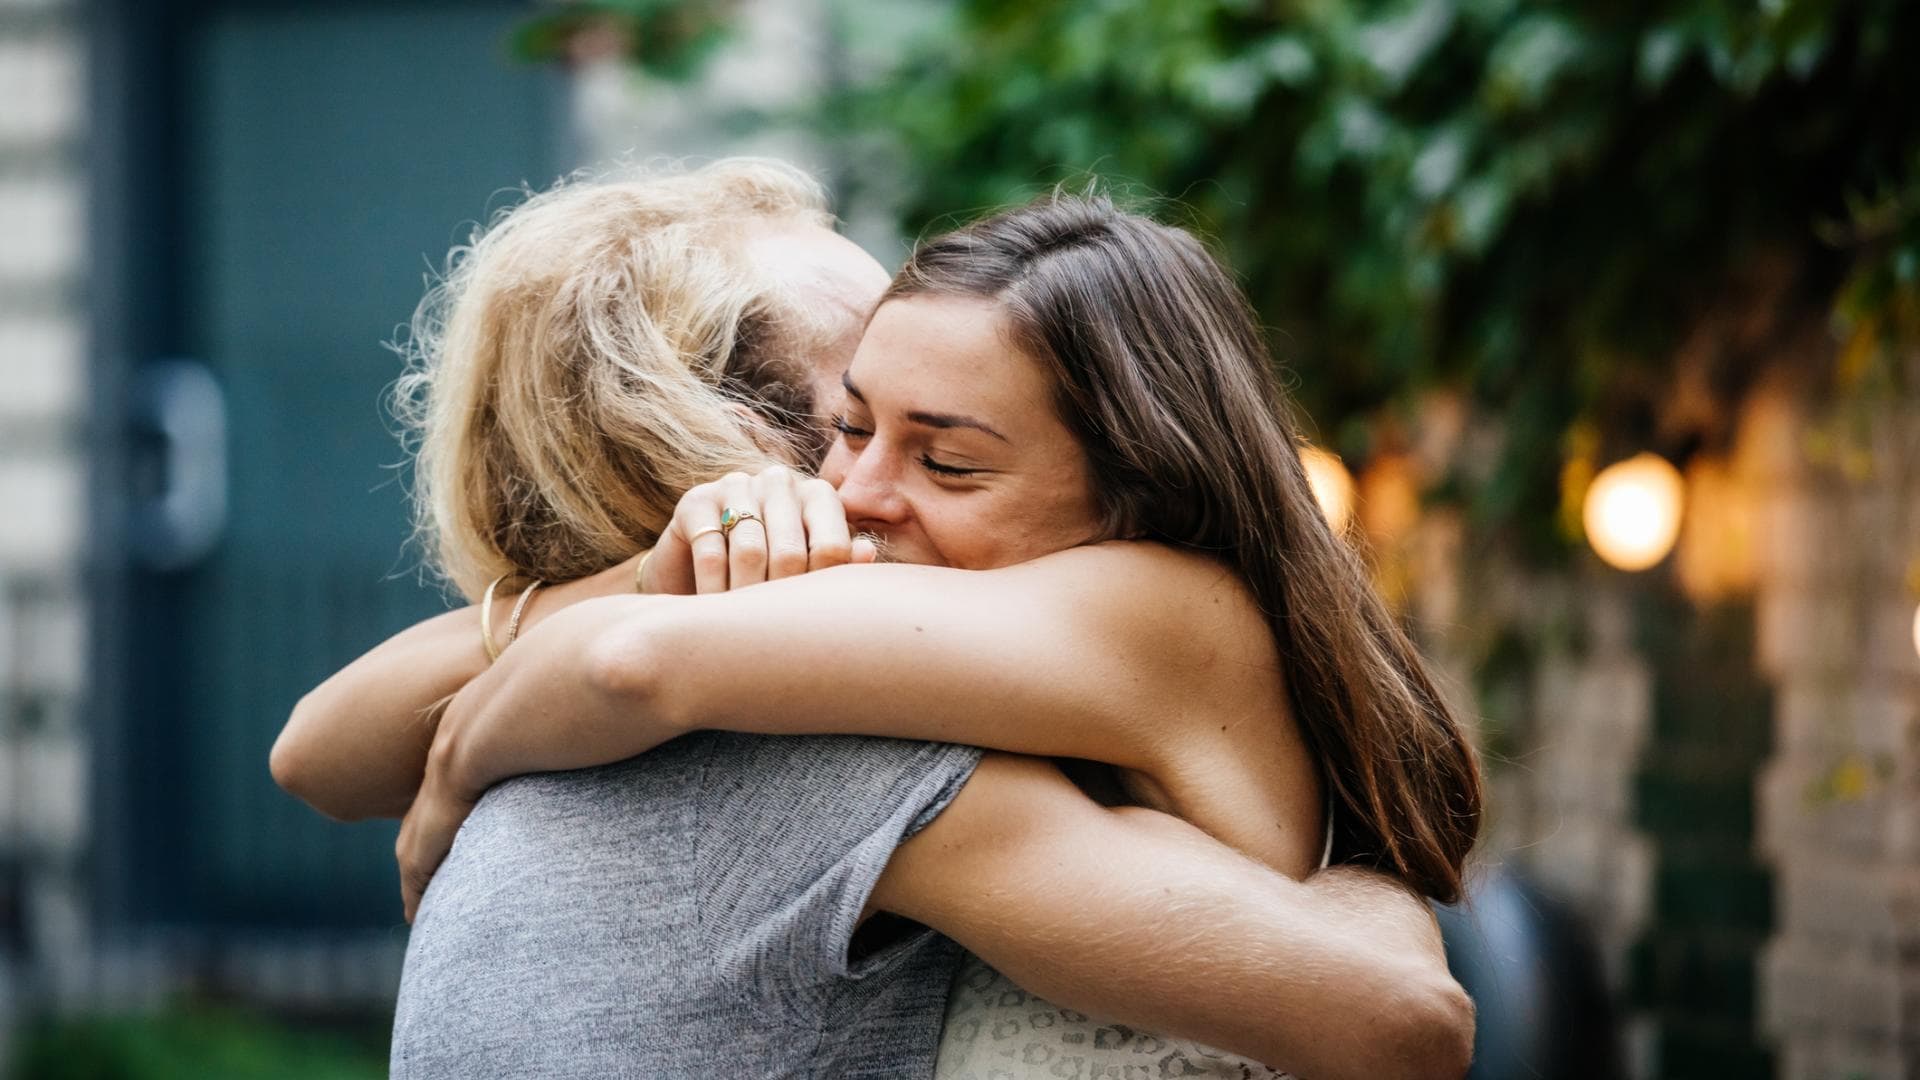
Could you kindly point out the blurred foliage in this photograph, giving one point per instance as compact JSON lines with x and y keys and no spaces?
{"x":669,"y":37}
{"x":1531,"y":203}
{"x":194,"y":1043}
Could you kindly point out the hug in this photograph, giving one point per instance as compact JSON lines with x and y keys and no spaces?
{"x":948,"y":674}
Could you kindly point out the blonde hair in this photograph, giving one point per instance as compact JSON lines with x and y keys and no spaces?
{"x":591,"y":354}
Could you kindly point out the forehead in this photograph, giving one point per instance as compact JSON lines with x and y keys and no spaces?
{"x":949,"y":354}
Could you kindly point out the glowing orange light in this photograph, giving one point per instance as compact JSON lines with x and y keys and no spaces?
{"x":1332,"y":486}
{"x":1632,"y":511}
{"x":1389,"y":498}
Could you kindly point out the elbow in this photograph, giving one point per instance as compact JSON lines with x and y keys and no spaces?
{"x":295,"y":766}
{"x":625,"y":666}
{"x":1433,"y":1027}
{"x":290,"y":761}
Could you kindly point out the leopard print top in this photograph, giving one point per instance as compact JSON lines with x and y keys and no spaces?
{"x":997,"y":1031}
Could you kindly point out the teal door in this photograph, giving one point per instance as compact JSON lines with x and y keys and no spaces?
{"x":312,"y":162}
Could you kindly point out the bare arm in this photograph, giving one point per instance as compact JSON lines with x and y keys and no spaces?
{"x":1111,"y":646}
{"x":1134,"y":916}
{"x":356,"y":745}
{"x":1127,"y":654}
{"x":1050,"y":658}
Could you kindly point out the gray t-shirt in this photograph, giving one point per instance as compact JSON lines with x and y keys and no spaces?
{"x":684,"y":914}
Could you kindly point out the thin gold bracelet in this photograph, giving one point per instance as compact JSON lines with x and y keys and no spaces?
{"x":513,"y":621}
{"x":640,"y":572}
{"x":486,"y":620}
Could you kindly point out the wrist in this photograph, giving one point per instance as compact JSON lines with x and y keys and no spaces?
{"x":447,"y":759}
{"x":458,"y":759}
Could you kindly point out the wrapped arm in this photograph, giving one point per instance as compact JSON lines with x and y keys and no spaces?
{"x":1171,"y":675}
{"x":1133,"y":916}
{"x":356,"y":745}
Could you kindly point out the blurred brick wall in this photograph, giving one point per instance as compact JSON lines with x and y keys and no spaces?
{"x":1709,"y":911}
{"x":43,"y":346}
{"x":1728,"y":791}
{"x":1839,"y":803}
{"x":1549,"y":668}
{"x":1624,"y":727}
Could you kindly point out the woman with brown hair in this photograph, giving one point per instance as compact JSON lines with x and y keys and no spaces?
{"x":1064,"y":414}
{"x":1076,"y":398}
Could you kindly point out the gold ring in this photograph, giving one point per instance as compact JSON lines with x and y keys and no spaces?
{"x":703,"y":531}
{"x":730,"y":518}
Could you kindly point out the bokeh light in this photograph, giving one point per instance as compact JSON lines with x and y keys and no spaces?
{"x":1332,"y":485}
{"x":1632,"y":512}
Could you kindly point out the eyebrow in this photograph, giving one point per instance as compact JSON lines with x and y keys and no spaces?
{"x":927,"y":419}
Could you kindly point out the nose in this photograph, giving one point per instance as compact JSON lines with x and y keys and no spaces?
{"x":870,"y":488}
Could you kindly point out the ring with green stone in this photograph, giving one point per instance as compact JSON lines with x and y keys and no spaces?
{"x":729,"y":517}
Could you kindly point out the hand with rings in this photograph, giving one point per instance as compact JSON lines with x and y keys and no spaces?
{"x":745,"y":529}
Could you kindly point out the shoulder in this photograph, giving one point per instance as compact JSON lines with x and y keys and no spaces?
{"x":1130,"y":578}
{"x":1199,"y":660}
{"x":1180,"y":613}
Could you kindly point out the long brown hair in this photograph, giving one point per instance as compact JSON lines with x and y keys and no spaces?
{"x":1162,"y":374}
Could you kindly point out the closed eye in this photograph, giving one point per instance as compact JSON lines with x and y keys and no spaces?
{"x":840,"y":425}
{"x":933,"y":466}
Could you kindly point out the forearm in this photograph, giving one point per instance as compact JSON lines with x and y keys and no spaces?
{"x":616,"y":677}
{"x":1243,"y":960}
{"x":1137,"y":917}
{"x":550,"y":704}
{"x":1016,"y":660}
{"x":906,"y":652}
{"x":1290,"y":984}
{"x":356,"y":745}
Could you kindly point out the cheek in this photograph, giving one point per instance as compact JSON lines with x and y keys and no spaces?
{"x":1013,"y":526}
{"x":965,"y":531}
{"x":1061,"y":514}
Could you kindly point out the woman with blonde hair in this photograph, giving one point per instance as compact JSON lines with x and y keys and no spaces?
{"x":598,"y":350}
{"x":1124,"y":912}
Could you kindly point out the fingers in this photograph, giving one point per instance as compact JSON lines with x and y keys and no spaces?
{"x":865,"y":550}
{"x":786,"y":529}
{"x":411,"y":890}
{"x":797,"y":524}
{"x":747,"y":541}
{"x":696,"y":526}
{"x":829,"y":541}
{"x":416,"y":867}
{"x":426,"y":835}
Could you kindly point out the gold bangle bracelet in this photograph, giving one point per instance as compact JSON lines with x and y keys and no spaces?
{"x":640,"y":572}
{"x":486,"y":620}
{"x":513,"y":621}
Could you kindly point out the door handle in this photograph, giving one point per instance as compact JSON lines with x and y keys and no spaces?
{"x":179,"y":507}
